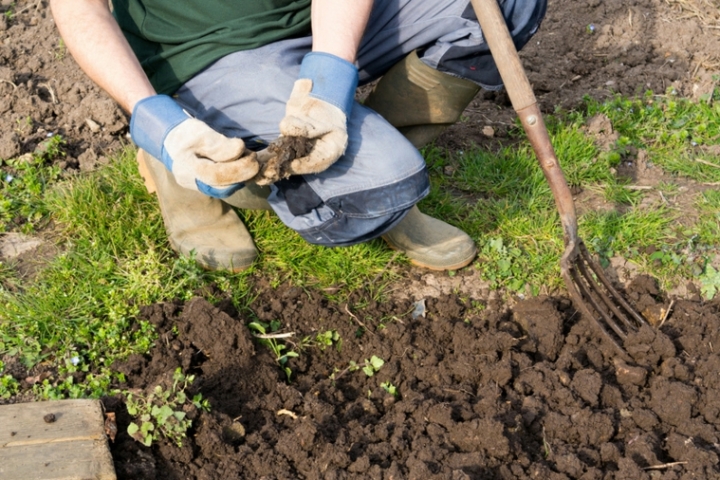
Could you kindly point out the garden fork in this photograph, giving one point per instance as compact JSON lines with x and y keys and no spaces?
{"x":591,"y":291}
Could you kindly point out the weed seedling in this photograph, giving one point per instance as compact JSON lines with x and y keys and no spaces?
{"x":161,"y":412}
{"x":710,"y":282}
{"x":60,"y":50}
{"x":10,"y":12}
{"x":279,"y":349}
{"x":372,"y":366}
{"x":23,"y":187}
{"x":8,"y":385}
{"x":369,"y":367}
{"x":391,"y":389}
{"x":327,"y":339}
{"x":547,"y":450}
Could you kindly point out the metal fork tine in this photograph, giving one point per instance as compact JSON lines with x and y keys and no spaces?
{"x":580,"y":281}
{"x":639,"y":319}
{"x":595,"y":289}
{"x":578,"y":284}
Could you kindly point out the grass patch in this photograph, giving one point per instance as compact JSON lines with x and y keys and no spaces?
{"x":500,"y":197}
{"x":80,"y":311}
{"x":287,"y":257}
{"x":23,"y":182}
{"x":678,"y":134}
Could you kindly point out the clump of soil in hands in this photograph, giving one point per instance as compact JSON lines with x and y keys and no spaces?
{"x":275,"y":160}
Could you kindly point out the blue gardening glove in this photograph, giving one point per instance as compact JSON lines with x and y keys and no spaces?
{"x":318,"y":109}
{"x":199,"y":157}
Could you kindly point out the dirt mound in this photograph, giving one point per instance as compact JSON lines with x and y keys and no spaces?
{"x":481,"y":392}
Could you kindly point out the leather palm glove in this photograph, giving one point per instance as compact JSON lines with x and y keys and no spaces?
{"x":318,"y":109}
{"x":199,"y":158}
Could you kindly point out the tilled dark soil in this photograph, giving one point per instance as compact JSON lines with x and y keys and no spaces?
{"x":483,"y":392}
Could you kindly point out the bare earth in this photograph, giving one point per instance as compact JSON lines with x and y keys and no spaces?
{"x":486,"y":389}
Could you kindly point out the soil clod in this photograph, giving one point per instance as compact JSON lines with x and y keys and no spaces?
{"x":275,"y":163}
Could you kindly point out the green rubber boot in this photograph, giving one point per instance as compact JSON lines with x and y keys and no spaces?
{"x":197,"y":223}
{"x":251,"y":197}
{"x":421,"y":103}
{"x":431,"y":243}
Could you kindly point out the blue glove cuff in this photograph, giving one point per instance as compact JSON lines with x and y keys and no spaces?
{"x":151,"y":121}
{"x":334,"y":79}
{"x":218,"y":192}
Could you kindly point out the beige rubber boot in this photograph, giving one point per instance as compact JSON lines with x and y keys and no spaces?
{"x":250,"y":197}
{"x":431,"y":243}
{"x":198,"y":223}
{"x":420,"y":101}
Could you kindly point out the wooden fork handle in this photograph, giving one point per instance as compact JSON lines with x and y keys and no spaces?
{"x":523,"y":100}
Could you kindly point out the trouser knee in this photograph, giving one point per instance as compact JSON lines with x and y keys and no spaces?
{"x":347,"y":218}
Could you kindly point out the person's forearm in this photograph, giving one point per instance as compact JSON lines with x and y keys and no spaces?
{"x":96,"y":43}
{"x":338,"y":26}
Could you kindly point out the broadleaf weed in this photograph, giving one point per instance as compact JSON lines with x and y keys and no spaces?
{"x":162,"y":412}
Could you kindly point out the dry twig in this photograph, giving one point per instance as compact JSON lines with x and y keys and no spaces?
{"x":11,"y":83}
{"x":275,"y":335}
{"x":705,"y":162}
{"x":354,"y":317}
{"x":664,"y":465}
{"x":667,"y":313}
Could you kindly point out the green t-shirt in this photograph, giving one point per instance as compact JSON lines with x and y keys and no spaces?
{"x":175,"y":39}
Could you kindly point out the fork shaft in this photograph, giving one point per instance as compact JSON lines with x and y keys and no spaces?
{"x":539,"y":138}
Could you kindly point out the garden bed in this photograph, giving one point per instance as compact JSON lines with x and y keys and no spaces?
{"x":482,"y":385}
{"x":480,"y":391}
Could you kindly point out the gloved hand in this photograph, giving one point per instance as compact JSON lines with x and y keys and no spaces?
{"x":199,"y":157}
{"x":318,"y":109}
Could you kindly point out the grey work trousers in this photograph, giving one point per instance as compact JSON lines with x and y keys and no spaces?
{"x":381,"y":175}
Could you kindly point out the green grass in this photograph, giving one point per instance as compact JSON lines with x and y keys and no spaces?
{"x":115,"y":258}
{"x":285,"y":256}
{"x":500,"y":197}
{"x":24,"y":181}
{"x":674,"y":131}
{"x":81,"y":311}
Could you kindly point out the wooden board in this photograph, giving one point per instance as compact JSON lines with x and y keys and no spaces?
{"x":72,"y":447}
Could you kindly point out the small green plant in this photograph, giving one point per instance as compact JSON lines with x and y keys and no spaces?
{"x":280,"y":350}
{"x":372,"y":366}
{"x":710,"y":282}
{"x":503,"y":265}
{"x":327,"y":339}
{"x":24,"y":125}
{"x":24,"y":183}
{"x":390,"y":388}
{"x":8,"y":385}
{"x":60,"y":50}
{"x":369,"y":367}
{"x":93,"y":386}
{"x":162,"y":411}
{"x":547,"y":450}
{"x":10,"y":12}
